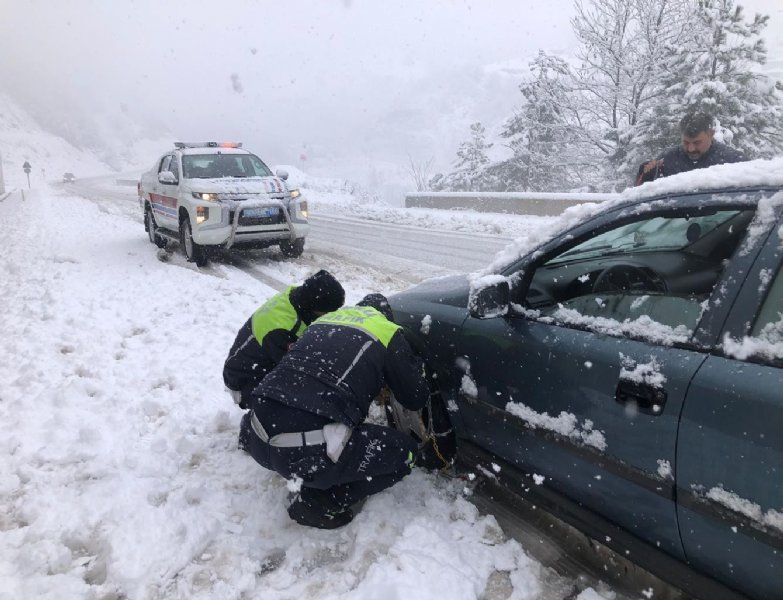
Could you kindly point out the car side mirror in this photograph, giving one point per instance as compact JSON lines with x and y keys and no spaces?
{"x":282,"y":174}
{"x":167,"y":177}
{"x":490,"y":301}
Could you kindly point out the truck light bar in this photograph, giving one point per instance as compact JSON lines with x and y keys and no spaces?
{"x":181,"y":145}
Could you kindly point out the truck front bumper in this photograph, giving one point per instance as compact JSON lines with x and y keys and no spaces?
{"x":237,"y":225}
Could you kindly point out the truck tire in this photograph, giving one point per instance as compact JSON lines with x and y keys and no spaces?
{"x":292,"y":249}
{"x":194,"y":252}
{"x":152,"y":229}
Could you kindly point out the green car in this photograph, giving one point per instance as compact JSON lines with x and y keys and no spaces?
{"x":626,"y":372}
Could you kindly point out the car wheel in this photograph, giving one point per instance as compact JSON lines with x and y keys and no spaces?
{"x":152,"y":229}
{"x":292,"y":249}
{"x":194,"y":252}
{"x":430,"y":427}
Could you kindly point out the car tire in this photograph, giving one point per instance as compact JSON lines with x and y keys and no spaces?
{"x":292,"y":249}
{"x":152,"y":229}
{"x":430,"y":427}
{"x":194,"y":252}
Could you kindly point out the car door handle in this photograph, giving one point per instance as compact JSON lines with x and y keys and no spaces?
{"x":648,"y":399}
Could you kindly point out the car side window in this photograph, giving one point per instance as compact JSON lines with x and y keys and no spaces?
{"x":174,"y":167}
{"x":164,"y":164}
{"x":649,"y":277}
{"x":769,"y":323}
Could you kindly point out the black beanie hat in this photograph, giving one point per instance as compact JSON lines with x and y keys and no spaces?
{"x":379,"y":302}
{"x":320,"y":293}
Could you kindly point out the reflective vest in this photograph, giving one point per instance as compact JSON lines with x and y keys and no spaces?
{"x":365,"y":318}
{"x":277,"y":313}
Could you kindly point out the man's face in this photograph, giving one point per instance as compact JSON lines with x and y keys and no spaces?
{"x":696,"y":146}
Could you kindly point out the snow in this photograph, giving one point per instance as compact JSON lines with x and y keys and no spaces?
{"x":566,"y":424}
{"x":643,"y":373}
{"x":665,"y":470}
{"x":770,"y":518}
{"x":120,"y":475}
{"x":642,"y":327}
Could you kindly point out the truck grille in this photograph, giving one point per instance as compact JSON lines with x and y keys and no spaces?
{"x":247,"y":221}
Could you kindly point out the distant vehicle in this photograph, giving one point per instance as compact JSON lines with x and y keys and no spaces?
{"x":216,"y":195}
{"x":68,"y":178}
{"x":626,"y":376}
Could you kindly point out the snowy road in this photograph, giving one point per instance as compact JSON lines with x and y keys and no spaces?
{"x":406,"y":253}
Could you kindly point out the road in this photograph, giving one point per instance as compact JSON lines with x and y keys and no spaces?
{"x":404,"y":254}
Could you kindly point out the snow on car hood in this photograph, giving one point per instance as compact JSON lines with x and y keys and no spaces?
{"x":452,"y":290}
{"x":232,"y":185}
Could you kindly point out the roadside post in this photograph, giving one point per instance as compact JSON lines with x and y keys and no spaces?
{"x":26,"y":166}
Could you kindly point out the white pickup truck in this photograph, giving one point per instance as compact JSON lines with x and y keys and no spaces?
{"x":216,"y":195}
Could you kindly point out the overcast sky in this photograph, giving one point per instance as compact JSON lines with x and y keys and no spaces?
{"x":308,"y":82}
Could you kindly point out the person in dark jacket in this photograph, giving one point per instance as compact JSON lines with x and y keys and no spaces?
{"x":698,"y":149}
{"x":307,"y":419}
{"x":268,"y":333}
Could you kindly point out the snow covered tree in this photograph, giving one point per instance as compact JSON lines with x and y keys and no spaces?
{"x":588,"y":113}
{"x":623,"y":44}
{"x":719,"y":72}
{"x":470,"y":164}
{"x":542,"y":136}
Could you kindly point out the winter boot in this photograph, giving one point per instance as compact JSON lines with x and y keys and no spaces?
{"x":312,"y":516}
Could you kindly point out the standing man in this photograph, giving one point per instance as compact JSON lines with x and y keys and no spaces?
{"x":307,"y":417}
{"x":698,"y":149}
{"x":269,"y":332}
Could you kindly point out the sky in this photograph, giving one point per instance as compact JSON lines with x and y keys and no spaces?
{"x":326,"y":85}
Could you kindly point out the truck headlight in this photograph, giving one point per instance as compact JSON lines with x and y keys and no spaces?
{"x":295,"y":193}
{"x":205,"y":196}
{"x":303,"y":208}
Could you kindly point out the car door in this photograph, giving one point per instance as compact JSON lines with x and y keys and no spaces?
{"x":164,"y":196}
{"x":729,"y":469}
{"x":585,"y":394}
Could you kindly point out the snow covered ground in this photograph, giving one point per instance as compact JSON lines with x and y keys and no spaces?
{"x":119,"y":473}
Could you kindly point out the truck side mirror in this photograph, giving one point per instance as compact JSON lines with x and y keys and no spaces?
{"x":282,"y":174}
{"x":490,"y":301}
{"x":167,"y":177}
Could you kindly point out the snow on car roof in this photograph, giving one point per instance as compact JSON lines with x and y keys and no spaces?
{"x":754,"y":173}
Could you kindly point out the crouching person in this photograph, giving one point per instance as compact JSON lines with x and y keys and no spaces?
{"x":266,"y":336}
{"x":307,"y":417}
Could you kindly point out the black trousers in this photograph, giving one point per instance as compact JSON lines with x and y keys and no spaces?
{"x":374,"y":458}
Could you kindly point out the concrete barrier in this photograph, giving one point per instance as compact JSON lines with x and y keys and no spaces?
{"x":523,"y":203}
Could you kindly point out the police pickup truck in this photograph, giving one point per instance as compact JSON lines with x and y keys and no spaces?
{"x":209,"y":195}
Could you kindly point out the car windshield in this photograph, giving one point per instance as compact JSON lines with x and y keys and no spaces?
{"x":214,"y":166}
{"x":661,"y":233}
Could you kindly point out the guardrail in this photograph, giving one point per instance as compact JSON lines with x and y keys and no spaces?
{"x":524,"y":203}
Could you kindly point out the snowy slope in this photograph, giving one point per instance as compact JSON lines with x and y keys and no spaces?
{"x":22,"y":139}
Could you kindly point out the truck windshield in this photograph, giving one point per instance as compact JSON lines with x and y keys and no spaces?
{"x":214,"y":166}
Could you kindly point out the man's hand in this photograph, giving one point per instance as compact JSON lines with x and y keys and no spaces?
{"x":652,"y":164}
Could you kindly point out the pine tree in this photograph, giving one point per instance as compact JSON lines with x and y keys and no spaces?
{"x":470,"y":165}
{"x":541,"y":136}
{"x":719,"y":72}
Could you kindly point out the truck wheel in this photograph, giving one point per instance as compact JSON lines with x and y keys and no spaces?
{"x":292,"y":249}
{"x":430,"y":427}
{"x":152,"y":229}
{"x":194,"y":252}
